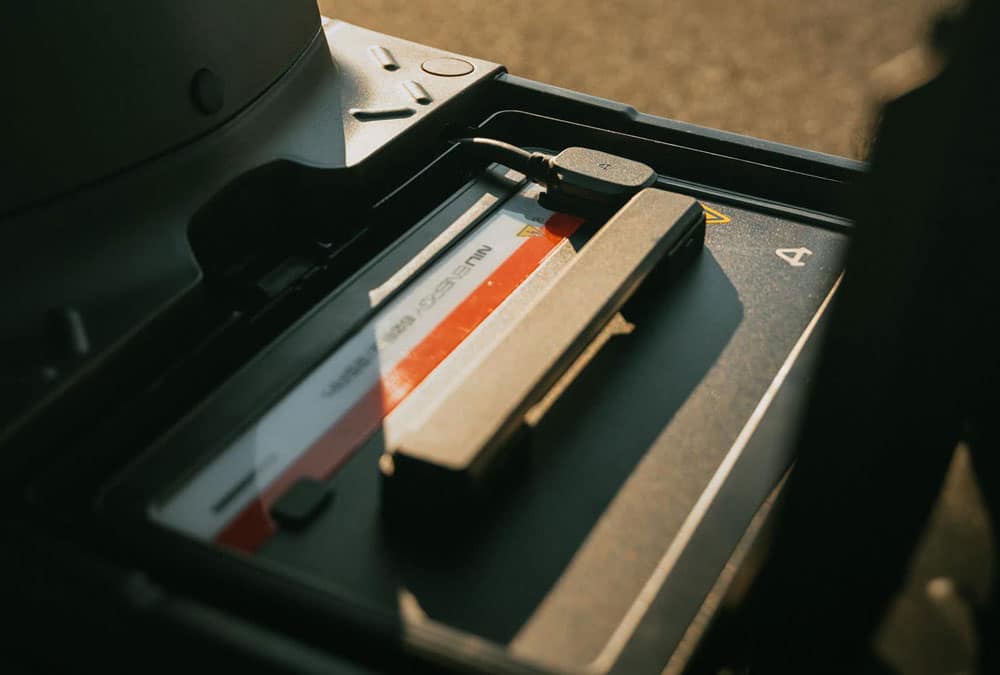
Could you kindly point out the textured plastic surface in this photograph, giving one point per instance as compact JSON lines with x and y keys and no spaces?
{"x":384,"y":102}
{"x":601,"y":172}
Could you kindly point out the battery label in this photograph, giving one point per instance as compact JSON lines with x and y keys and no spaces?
{"x":319,"y":424}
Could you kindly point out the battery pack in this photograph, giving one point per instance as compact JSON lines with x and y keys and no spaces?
{"x":445,"y":459}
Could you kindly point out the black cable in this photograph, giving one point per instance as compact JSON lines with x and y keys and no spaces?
{"x":534,"y":165}
{"x":576,"y":179}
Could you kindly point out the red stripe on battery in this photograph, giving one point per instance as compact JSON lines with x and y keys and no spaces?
{"x":250,"y":528}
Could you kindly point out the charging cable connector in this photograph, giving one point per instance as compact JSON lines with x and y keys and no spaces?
{"x":579,"y":180}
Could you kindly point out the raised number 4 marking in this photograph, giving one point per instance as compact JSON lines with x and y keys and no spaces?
{"x":793,"y":256}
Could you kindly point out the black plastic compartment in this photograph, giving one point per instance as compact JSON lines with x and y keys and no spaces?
{"x":762,"y":177}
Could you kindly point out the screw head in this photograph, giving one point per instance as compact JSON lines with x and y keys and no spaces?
{"x":447,"y":67}
{"x":207,"y":91}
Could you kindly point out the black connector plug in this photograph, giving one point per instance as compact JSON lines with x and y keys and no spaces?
{"x":595,"y":177}
{"x":577,"y":180}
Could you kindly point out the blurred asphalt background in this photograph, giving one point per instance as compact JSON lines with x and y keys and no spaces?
{"x":802,"y":72}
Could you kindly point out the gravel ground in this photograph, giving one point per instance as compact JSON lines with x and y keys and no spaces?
{"x":794,"y":71}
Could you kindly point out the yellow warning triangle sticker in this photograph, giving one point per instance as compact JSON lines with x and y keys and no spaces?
{"x":713,"y":217}
{"x":530,"y":231}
